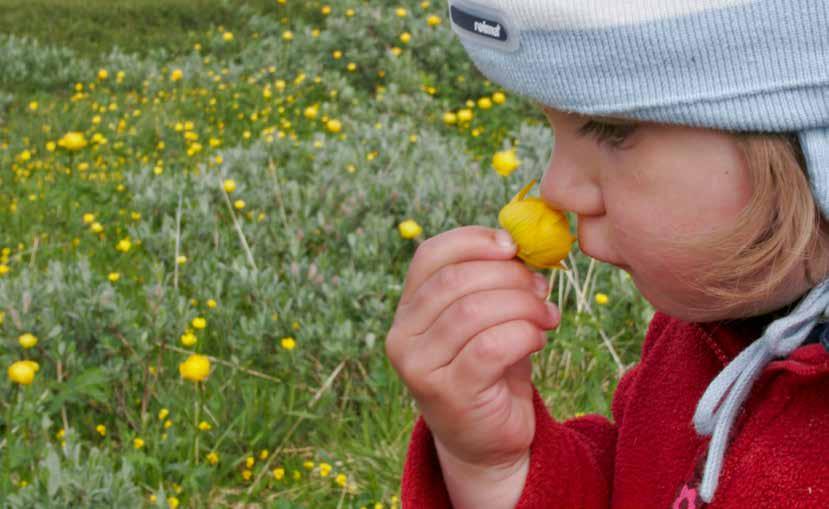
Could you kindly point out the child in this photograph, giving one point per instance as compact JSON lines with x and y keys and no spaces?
{"x":692,"y":142}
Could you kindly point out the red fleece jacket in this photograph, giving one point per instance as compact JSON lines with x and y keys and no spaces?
{"x":650,"y":456}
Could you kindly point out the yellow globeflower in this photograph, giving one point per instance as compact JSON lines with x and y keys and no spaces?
{"x":325,"y":469}
{"x":239,"y":204}
{"x":278,"y":473}
{"x":176,"y":75}
{"x":405,"y":37}
{"x":213,"y":457}
{"x":138,"y":443}
{"x":311,"y":112}
{"x":195,"y":368}
{"x":541,"y":233}
{"x":450,"y":118}
{"x":505,"y":162}
{"x":601,"y":299}
{"x":188,"y":339}
{"x":409,"y":229}
{"x":485,"y":103}
{"x":101,"y":429}
{"x":334,"y":126}
{"x":499,"y":98}
{"x":114,"y":276}
{"x":27,"y":340}
{"x":199,"y":323}
{"x":326,"y":10}
{"x":22,"y":372}
{"x":102,"y":74}
{"x":433,"y":20}
{"x":73,"y":141}
{"x":287,"y":35}
{"x":205,"y":426}
{"x":465,"y":115}
{"x":229,"y":185}
{"x":227,"y":36}
{"x":288,"y":343}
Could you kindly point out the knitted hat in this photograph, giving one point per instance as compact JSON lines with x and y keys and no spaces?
{"x":738,"y":65}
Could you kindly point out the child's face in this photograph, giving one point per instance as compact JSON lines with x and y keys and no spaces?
{"x":661,"y":184}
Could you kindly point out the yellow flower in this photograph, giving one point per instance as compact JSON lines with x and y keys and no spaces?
{"x":88,"y":218}
{"x":433,"y":20}
{"x":505,"y":162}
{"x":114,"y":276}
{"x":351,"y":67}
{"x":341,"y":479}
{"x":213,"y":457}
{"x":72,"y":141}
{"x":485,"y":103}
{"x":278,"y":473}
{"x":309,"y":465}
{"x":195,"y":368}
{"x":288,"y":343}
{"x":465,"y":115}
{"x":199,"y":322}
{"x":601,"y":299}
{"x":138,"y":443}
{"x":33,"y":105}
{"x":263,"y":454}
{"x":211,"y":303}
{"x":188,"y":339}
{"x":325,"y":469}
{"x":405,"y":37}
{"x":230,"y":185}
{"x":542,"y":234}
{"x":27,"y":340}
{"x":22,"y":372}
{"x":163,"y":413}
{"x":227,"y":36}
{"x":326,"y":10}
{"x":499,"y":98}
{"x":102,"y":74}
{"x":101,"y":429}
{"x":333,"y":126}
{"x":337,"y":54}
{"x":287,"y":35}
{"x":249,"y":461}
{"x":246,"y":474}
{"x":181,"y":259}
{"x":401,"y":12}
{"x":124,"y":245}
{"x":311,"y":112}
{"x":172,"y":502}
{"x":239,"y":204}
{"x":205,"y":426}
{"x":96,"y":227}
{"x":409,"y":229}
{"x":176,"y":75}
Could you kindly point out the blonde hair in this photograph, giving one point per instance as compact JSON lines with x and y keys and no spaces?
{"x":780,"y":228}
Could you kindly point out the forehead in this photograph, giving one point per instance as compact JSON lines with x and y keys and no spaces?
{"x":608,"y":119}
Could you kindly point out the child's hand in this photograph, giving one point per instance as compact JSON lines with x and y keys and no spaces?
{"x":468,"y":319}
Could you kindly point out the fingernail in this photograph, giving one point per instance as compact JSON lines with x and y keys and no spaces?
{"x":504,"y":239}
{"x":540,"y":285}
{"x":552,"y":309}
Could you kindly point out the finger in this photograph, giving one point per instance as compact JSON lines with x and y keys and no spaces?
{"x":455,"y":246}
{"x":473,"y":314}
{"x":452,"y":282}
{"x":491,"y":354}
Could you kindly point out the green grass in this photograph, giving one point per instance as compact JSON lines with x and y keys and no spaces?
{"x":313,"y":254}
{"x":93,"y":27}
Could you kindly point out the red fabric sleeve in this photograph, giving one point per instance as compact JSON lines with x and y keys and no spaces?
{"x":571,"y":463}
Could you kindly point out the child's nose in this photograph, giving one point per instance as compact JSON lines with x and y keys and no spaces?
{"x":569,"y":184}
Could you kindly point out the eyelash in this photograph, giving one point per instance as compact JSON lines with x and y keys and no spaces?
{"x":613,"y":135}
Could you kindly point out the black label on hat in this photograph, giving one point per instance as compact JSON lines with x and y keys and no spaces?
{"x":477,"y":24}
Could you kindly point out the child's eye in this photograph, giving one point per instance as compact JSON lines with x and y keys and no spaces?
{"x":612,"y":134}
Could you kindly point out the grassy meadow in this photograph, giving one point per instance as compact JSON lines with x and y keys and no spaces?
{"x":199,"y":246}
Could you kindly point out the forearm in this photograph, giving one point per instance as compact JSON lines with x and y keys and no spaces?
{"x":473,"y":487}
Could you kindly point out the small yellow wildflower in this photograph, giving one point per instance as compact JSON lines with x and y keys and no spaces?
{"x":33,"y":105}
{"x":168,"y":424}
{"x":211,"y":303}
{"x":405,"y":37}
{"x":138,"y":443}
{"x":22,"y":372}
{"x":334,"y":126}
{"x":246,"y":474}
{"x":341,"y":479}
{"x":465,"y":115}
{"x":485,"y":103}
{"x":101,"y":429}
{"x":181,"y":259}
{"x":163,"y":413}
{"x":172,"y":502}
{"x":250,"y":461}
{"x":27,"y":340}
{"x":401,"y":12}
{"x":88,"y":218}
{"x":309,"y":465}
{"x":433,"y":20}
{"x":96,"y":227}
{"x":325,"y":469}
{"x":199,"y":323}
{"x":227,"y":36}
{"x":114,"y":276}
{"x":409,"y":229}
{"x":326,"y":10}
{"x":263,"y":454}
{"x":505,"y":162}
{"x":102,"y":74}
{"x":213,"y":457}
{"x":124,"y":245}
{"x":499,"y":98}
{"x":288,"y":343}
{"x":278,"y":473}
{"x":72,"y":141}
{"x":196,"y":368}
{"x":287,"y":35}
{"x":229,"y":185}
{"x":176,"y":75}
{"x":205,"y":426}
{"x":601,"y":299}
{"x":450,"y":118}
{"x":239,"y":204}
{"x":188,"y":339}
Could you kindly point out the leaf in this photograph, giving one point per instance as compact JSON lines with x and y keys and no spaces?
{"x":52,"y":463}
{"x":91,"y":384}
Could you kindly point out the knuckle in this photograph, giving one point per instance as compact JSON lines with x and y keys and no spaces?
{"x":526,"y":329}
{"x":468,"y":308}
{"x":449,"y":277}
{"x":486,"y":346}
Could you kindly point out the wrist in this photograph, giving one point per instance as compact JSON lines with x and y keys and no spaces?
{"x":474,"y":485}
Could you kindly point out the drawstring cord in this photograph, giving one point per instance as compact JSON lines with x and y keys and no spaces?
{"x":725,"y":395}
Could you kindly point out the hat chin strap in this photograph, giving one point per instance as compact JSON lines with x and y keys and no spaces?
{"x":725,"y":395}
